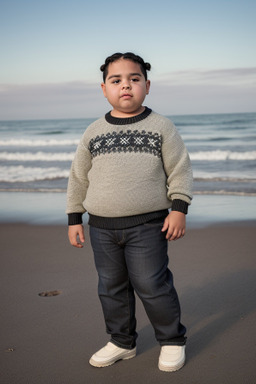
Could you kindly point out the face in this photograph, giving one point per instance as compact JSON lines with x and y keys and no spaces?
{"x":125,"y":88}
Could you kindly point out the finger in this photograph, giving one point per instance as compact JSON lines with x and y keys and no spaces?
{"x":81,"y":238}
{"x":172,"y":238}
{"x":170,"y":234}
{"x":73,"y":241}
{"x":181,"y":233}
{"x":77,"y":244}
{"x":165,"y":226}
{"x":175,"y":235}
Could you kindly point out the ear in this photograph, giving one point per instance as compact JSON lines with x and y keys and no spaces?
{"x":103,"y":87}
{"x":147,"y":86}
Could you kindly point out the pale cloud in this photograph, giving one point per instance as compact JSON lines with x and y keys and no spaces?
{"x":219,"y":76}
{"x":60,"y":100}
{"x":180,"y":92}
{"x":199,"y":92}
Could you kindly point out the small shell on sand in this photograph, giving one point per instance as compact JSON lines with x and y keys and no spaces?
{"x":10,"y":350}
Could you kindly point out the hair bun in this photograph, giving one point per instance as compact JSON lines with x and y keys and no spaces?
{"x":102,"y":68}
{"x":147,"y":66}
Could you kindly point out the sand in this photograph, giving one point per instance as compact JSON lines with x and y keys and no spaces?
{"x":50,"y":338}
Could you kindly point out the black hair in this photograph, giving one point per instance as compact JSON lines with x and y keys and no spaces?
{"x":128,"y":56}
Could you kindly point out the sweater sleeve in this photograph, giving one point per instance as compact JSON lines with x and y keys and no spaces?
{"x":177,"y":166}
{"x":78,"y":181}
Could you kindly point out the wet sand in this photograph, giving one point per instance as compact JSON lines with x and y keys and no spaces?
{"x":49,"y":339}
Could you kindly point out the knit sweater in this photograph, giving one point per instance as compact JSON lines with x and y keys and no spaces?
{"x":128,"y":167}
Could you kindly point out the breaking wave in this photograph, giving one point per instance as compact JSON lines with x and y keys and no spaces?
{"x":38,"y":156}
{"x":25,"y":174}
{"x":37,"y":143}
{"x":220,"y":155}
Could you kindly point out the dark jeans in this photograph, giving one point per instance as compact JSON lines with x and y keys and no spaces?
{"x":136,"y":259}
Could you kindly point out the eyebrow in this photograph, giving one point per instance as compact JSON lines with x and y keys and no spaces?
{"x":130,"y":74}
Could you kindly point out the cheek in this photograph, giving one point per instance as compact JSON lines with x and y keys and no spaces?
{"x":142,"y":92}
{"x":112,"y":93}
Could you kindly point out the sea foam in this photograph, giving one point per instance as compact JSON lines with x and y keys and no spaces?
{"x":37,"y":143}
{"x":220,"y":155}
{"x":25,"y":174}
{"x":38,"y":156}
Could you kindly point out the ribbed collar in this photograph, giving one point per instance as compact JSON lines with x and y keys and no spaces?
{"x":127,"y":120}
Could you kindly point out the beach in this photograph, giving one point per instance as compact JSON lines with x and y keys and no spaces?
{"x":51,"y":320}
{"x":49,"y":339}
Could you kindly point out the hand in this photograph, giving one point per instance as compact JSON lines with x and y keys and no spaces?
{"x":76,"y":235}
{"x":175,"y":225}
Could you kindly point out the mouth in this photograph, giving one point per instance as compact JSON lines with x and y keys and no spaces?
{"x":126,"y":95}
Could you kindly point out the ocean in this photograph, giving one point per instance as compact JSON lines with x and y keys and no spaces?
{"x":35,"y":155}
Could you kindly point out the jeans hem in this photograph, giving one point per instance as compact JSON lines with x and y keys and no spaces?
{"x":174,"y":342}
{"x":119,"y":345}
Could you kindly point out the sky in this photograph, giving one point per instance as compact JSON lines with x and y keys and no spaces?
{"x":202,"y":53}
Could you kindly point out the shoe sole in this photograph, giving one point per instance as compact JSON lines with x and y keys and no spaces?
{"x":165,"y":368}
{"x":100,"y":364}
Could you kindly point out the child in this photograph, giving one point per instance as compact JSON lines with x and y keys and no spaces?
{"x":130,"y":167}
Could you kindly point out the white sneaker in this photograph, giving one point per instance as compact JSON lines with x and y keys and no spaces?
{"x":172,"y":358}
{"x":109,"y":354}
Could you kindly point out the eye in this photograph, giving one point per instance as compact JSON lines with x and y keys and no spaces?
{"x":135,"y":79}
{"x":116,"y":81}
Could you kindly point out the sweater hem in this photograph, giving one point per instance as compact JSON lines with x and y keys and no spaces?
{"x":125,"y":222}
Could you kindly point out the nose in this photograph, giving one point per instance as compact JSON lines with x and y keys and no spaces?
{"x":126,"y":85}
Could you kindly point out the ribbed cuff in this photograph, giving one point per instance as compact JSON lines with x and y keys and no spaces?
{"x":180,"y":206}
{"x":75,"y":218}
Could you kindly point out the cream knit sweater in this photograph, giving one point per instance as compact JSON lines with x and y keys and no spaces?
{"x":130,"y":166}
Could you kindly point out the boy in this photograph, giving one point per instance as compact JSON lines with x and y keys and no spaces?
{"x":130,"y":167}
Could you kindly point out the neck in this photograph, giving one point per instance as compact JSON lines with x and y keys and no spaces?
{"x":116,"y":113}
